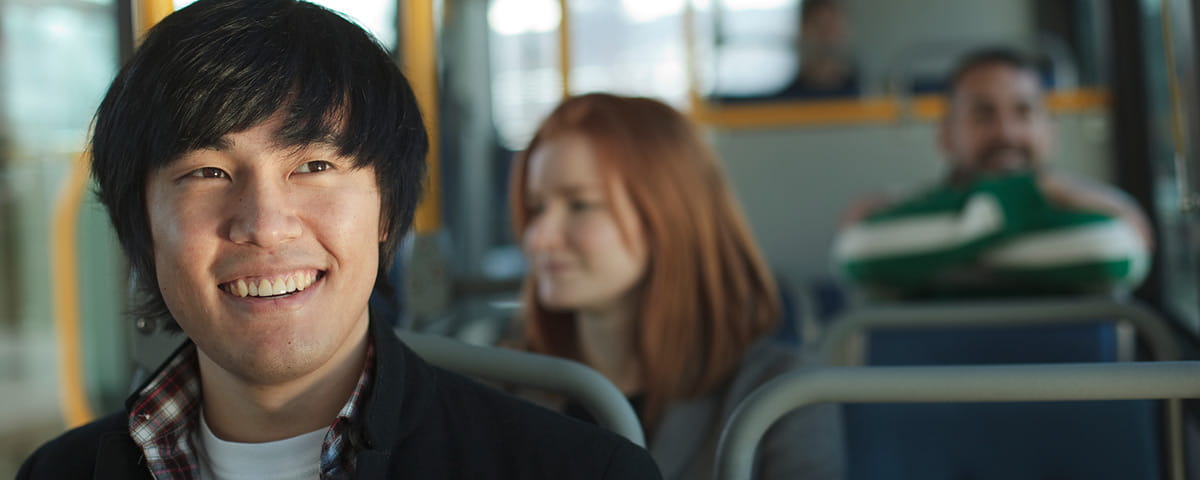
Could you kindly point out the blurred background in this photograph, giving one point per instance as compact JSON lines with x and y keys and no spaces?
{"x":1120,"y":76}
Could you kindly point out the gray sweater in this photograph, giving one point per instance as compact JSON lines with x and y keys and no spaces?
{"x":806,"y":444}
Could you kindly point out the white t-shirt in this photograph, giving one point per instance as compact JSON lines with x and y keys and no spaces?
{"x":296,"y":458}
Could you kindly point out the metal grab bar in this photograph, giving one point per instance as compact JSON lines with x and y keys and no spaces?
{"x":998,"y":313}
{"x":557,"y":375}
{"x":836,"y":347}
{"x":1006,"y":383}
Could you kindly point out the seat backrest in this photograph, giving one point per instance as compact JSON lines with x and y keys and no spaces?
{"x":994,"y":441}
{"x":1011,"y":315}
{"x":1088,"y":440}
{"x":1075,"y":382}
{"x":571,"y":379}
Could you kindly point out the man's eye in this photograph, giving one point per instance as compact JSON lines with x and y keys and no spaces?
{"x":208,"y":172}
{"x":314,"y":166}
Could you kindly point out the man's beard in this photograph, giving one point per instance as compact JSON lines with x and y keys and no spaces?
{"x":1000,"y":158}
{"x":1003,"y":157}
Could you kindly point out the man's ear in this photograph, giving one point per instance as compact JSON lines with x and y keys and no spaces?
{"x":944,"y":135}
{"x":1051,"y":135}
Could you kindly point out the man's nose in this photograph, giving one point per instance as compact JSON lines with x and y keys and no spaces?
{"x":1012,"y":129}
{"x":264,"y":216}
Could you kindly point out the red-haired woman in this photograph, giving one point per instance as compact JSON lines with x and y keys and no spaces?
{"x":642,"y":267}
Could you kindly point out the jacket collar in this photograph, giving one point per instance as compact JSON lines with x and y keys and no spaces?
{"x":132,"y":399}
{"x":400,"y":394}
{"x":118,"y":457}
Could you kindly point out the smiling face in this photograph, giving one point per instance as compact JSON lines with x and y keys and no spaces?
{"x":266,"y":254}
{"x":997,"y":122}
{"x":582,"y":239}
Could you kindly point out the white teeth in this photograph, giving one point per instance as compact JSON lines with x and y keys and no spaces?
{"x":271,"y":287}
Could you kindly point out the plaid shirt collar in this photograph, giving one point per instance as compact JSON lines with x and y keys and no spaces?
{"x":166,"y":411}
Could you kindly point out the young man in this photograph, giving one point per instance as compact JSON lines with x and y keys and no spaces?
{"x":1001,"y":222}
{"x":260,"y":160}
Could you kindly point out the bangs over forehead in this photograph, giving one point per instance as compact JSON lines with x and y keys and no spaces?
{"x":292,"y":63}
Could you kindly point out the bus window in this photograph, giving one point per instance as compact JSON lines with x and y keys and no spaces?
{"x":526,"y":83}
{"x":377,"y":16}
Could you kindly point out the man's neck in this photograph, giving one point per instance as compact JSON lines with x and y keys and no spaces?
{"x":825,"y":73}
{"x":242,"y":411}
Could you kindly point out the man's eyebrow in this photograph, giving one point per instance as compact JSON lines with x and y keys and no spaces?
{"x":220,"y":144}
{"x":328,"y":139}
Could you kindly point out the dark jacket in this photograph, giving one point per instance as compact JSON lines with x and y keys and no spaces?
{"x":422,"y":422}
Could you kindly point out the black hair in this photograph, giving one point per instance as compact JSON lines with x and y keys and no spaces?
{"x":984,"y":57}
{"x":809,"y":7}
{"x":223,"y":66}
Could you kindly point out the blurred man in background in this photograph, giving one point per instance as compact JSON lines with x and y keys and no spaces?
{"x":1001,"y":221}
{"x":826,"y":61}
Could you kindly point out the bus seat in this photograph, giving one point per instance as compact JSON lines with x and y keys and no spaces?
{"x":983,"y":441}
{"x":1093,"y":440}
{"x":807,"y":309}
{"x":511,"y":367}
{"x":791,"y":318}
{"x":1075,"y":382}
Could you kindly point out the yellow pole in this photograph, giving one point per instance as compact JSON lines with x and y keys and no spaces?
{"x":73,"y":400}
{"x":148,"y":13}
{"x":695,"y":103}
{"x":420,"y":65}
{"x":564,"y":47}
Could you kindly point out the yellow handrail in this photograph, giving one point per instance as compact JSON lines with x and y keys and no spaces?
{"x":689,"y":57}
{"x":420,"y":65}
{"x":564,"y":47}
{"x":73,"y":400}
{"x":882,"y":109}
{"x":809,"y":112}
{"x":149,"y":12}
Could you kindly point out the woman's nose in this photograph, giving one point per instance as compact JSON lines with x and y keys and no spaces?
{"x":544,"y":232}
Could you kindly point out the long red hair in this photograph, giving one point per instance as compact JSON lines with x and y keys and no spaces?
{"x":707,"y":295}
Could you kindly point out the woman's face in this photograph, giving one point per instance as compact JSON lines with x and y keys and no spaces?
{"x":583,"y":240}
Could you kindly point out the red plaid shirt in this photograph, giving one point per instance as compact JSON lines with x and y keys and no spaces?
{"x":167,"y":409}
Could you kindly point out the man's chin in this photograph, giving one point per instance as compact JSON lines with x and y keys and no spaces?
{"x":1006,"y":170}
{"x":1006,"y":161}
{"x":994,"y":172}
